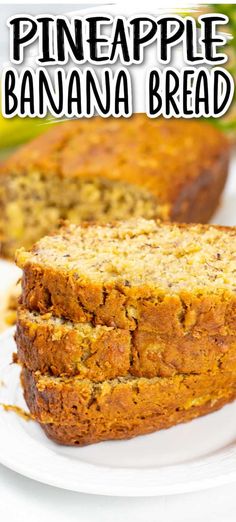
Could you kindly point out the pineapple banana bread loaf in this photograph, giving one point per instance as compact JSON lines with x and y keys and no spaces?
{"x":105,"y":169}
{"x":54,"y":345}
{"x":77,"y":412}
{"x":141,"y":275}
{"x":126,"y":328}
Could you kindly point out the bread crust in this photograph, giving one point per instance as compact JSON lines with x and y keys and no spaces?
{"x":147,"y":147}
{"x":60,"y":349}
{"x":77,"y":412}
{"x":47,"y":290}
{"x":181,"y":166}
{"x":61,"y":287}
{"x":198,"y":201}
{"x":169,"y":290}
{"x":76,"y":436}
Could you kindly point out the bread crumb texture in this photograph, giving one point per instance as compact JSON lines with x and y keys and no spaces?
{"x":63,"y":348}
{"x":78,"y":412}
{"x":105,"y":169}
{"x":139,"y":273}
{"x":127,"y":328}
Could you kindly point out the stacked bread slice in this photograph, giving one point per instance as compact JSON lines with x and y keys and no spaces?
{"x":127,"y":328}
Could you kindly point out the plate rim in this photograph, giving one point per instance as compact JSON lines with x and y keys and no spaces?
{"x":115,"y":481}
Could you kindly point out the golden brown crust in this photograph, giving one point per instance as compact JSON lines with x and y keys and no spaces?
{"x":167,"y":279}
{"x":76,"y":435}
{"x":47,"y":290}
{"x":136,"y":150}
{"x":167,"y":291}
{"x":174,"y":170}
{"x":62,"y":349}
{"x":48,"y":346}
{"x":80,"y":412}
{"x":198,"y":202}
{"x":166,"y":356}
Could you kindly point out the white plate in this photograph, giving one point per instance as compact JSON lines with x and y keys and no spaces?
{"x":189,"y":457}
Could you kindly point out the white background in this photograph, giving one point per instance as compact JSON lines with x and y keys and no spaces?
{"x":22,"y":500}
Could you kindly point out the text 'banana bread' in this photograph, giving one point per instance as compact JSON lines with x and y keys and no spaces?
{"x":105,"y":169}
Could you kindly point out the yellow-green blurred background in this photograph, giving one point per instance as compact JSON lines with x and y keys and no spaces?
{"x":15,"y":131}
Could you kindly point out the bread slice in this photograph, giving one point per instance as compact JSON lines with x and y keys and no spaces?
{"x":50,"y":344}
{"x":167,"y":279}
{"x":105,"y":169}
{"x":76,"y":412}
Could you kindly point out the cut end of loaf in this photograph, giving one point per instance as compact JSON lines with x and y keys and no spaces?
{"x":133,"y":253}
{"x":109,"y":168}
